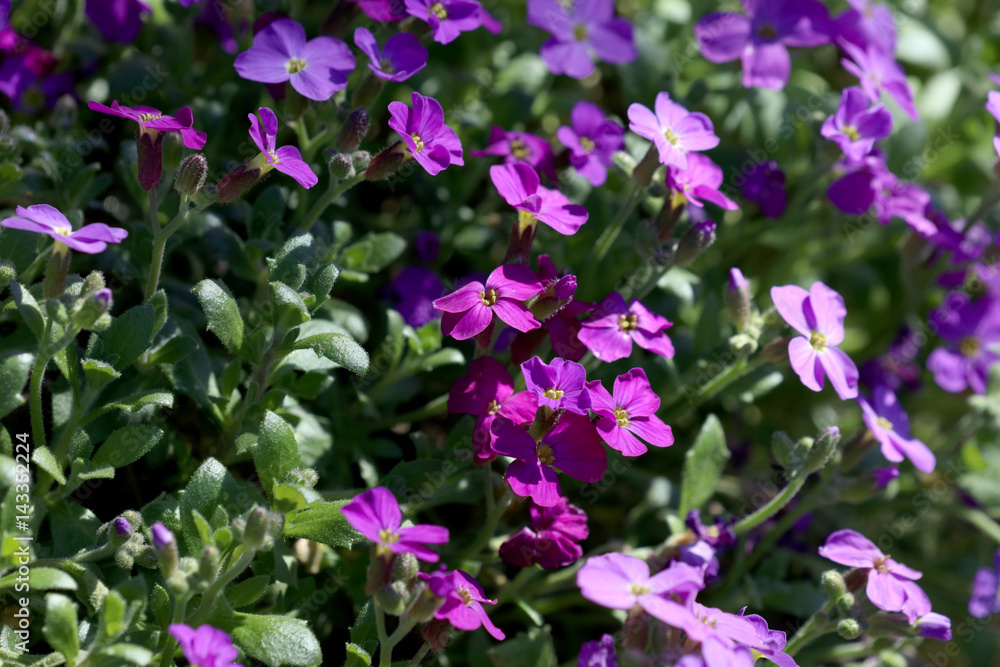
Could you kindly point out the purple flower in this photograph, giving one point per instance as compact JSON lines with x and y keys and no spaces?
{"x":117,"y":20}
{"x":598,"y":653}
{"x":463,"y":601}
{"x":417,"y":288}
{"x":4,"y":13}
{"x":552,"y":541}
{"x":520,"y":147}
{"x":878,"y":72}
{"x":592,"y":141}
{"x":985,"y":599}
{"x":316,"y":69}
{"x":610,"y":331}
{"x":161,"y":535}
{"x":402,"y":57}
{"x":897,"y":367}
{"x":469,"y":309}
{"x":885,"y":475}
{"x":217,"y":18}
{"x":872,"y":186}
{"x":376,"y":515}
{"x":819,"y":316}
{"x":520,"y":187}
{"x":855,"y":127}
{"x":429,"y":141}
{"x":152,"y":121}
{"x":384,"y":10}
{"x":866,"y":24}
{"x":934,"y":626}
{"x":286,"y":159}
{"x":890,"y":426}
{"x":701,"y":180}
{"x":44,"y":219}
{"x":890,"y":584}
{"x":972,"y":329}
{"x":572,"y":446}
{"x":206,"y":646}
{"x":760,"y":39}
{"x":629,"y":414}
{"x":993,"y":106}
{"x":447,"y":18}
{"x":122,"y":526}
{"x":427,"y":244}
{"x":581,"y":33}
{"x":617,"y":581}
{"x":561,"y":385}
{"x":765,"y":186}
{"x":673,"y":129}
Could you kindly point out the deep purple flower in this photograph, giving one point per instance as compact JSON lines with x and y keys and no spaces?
{"x":582,"y":32}
{"x":520,"y":187}
{"x":417,"y":288}
{"x":561,"y":385}
{"x":819,"y":316}
{"x":971,"y":328}
{"x":934,"y":626}
{"x":870,"y":185}
{"x":152,"y":121}
{"x":898,"y":366}
{"x":878,"y":72}
{"x":760,"y":39}
{"x":765,"y":186}
{"x":44,"y":219}
{"x":463,"y":601}
{"x":161,"y":535}
{"x":890,"y":584}
{"x":673,"y":129}
{"x":866,"y":24}
{"x":428,"y":140}
{"x":629,"y":414}
{"x":206,"y":646}
{"x":612,"y":328}
{"x":885,"y":475}
{"x":384,"y":10}
{"x":4,"y":13}
{"x":402,"y":57}
{"x":598,"y":653}
{"x":286,"y":159}
{"x":447,"y":18}
{"x":117,"y":20}
{"x":553,"y":539}
{"x":376,"y":515}
{"x":890,"y":426}
{"x":427,"y":244}
{"x":701,"y":180}
{"x":572,"y":446}
{"x":592,"y":140}
{"x":469,"y":309}
{"x":993,"y":106}
{"x":520,"y":147}
{"x":985,"y":599}
{"x":122,"y":526}
{"x":855,"y":127}
{"x":719,"y":534}
{"x":618,"y":581}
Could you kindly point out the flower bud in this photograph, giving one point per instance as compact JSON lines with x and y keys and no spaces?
{"x":890,"y":658}
{"x":405,"y":568}
{"x":93,"y":282}
{"x":191,"y":175}
{"x":846,"y":602}
{"x":848,"y":628}
{"x":856,"y":578}
{"x":425,"y":603}
{"x":694,"y":242}
{"x":124,"y":559}
{"x":206,"y":196}
{"x":392,"y":598}
{"x":122,"y":526}
{"x":379,"y":574}
{"x":738,"y":299}
{"x":256,"y":533}
{"x":436,"y":634}
{"x":341,"y":165}
{"x":166,"y":548}
{"x":781,"y":448}
{"x":824,"y":447}
{"x":7,"y":272}
{"x":90,"y":310}
{"x":237,"y":183}
{"x":642,"y":174}
{"x":387,"y":162}
{"x":557,"y":295}
{"x":776,"y":352}
{"x":149,"y":145}
{"x":208,"y":563}
{"x":361,"y":160}
{"x":354,"y":130}
{"x":624,"y":161}
{"x":370,"y":88}
{"x":833,"y":584}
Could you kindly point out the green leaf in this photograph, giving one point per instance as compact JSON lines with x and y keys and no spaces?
{"x":533,"y":648}
{"x":276,"y":452}
{"x":127,"y":445}
{"x":290,"y":310}
{"x":321,"y":284}
{"x":159,"y":602}
{"x":42,"y":579}
{"x":129,"y":335}
{"x":364,"y":632}
{"x":703,"y":465}
{"x":18,"y":246}
{"x":46,"y":460}
{"x":98,"y":373}
{"x":211,"y":485}
{"x":160,"y":312}
{"x":14,"y":370}
{"x":357,"y":657}
{"x":274,"y":640}
{"x":29,"y":309}
{"x":338,"y":348}
{"x":248,"y":591}
{"x":222,"y":313}
{"x":290,"y":264}
{"x":323,"y":523}
{"x":136,"y":655}
{"x":373,"y":252}
{"x":133,"y":403}
{"x":112,"y":615}
{"x":60,"y":627}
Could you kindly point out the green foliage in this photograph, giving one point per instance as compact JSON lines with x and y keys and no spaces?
{"x":222,"y":312}
{"x":703,"y":464}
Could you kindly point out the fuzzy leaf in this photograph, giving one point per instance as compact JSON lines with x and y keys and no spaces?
{"x":222,"y":313}
{"x":60,"y":627}
{"x":126,"y":446}
{"x":703,"y":465}
{"x":323,"y":523}
{"x":14,"y":370}
{"x":274,"y":640}
{"x":338,"y":348}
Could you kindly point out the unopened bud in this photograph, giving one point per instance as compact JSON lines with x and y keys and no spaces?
{"x":92,"y":309}
{"x":436,"y":634}
{"x":256,"y":532}
{"x":781,"y":448}
{"x":824,"y":447}
{"x":166,"y":548}
{"x":643,"y":172}
{"x":425,"y":603}
{"x":379,"y":574}
{"x":557,"y":295}
{"x":361,"y":160}
{"x":387,"y":162}
{"x":833,"y":584}
{"x":191,"y":175}
{"x":354,"y":130}
{"x":7,"y":272}
{"x":93,"y":282}
{"x":392,"y":598}
{"x":206,"y":196}
{"x":776,"y":352}
{"x":738,"y":298}
{"x":856,"y":578}
{"x":149,"y":145}
{"x":405,"y":567}
{"x":846,"y":602}
{"x":208,"y":563}
{"x":694,"y":242}
{"x":848,"y":628}
{"x":624,"y":161}
{"x":368,"y":91}
{"x":341,"y":165}
{"x":237,"y":183}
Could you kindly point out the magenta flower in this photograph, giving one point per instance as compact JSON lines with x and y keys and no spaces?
{"x":855,"y":127}
{"x":520,"y":147}
{"x":402,"y":57}
{"x":612,"y":328}
{"x":206,"y":646}
{"x":765,"y":186}
{"x":762,"y":37}
{"x":561,"y":385}
{"x":890,"y":426}
{"x":972,"y":329}
{"x":993,"y":106}
{"x":520,"y":187}
{"x":152,"y":121}
{"x":985,"y":599}
{"x":429,"y":141}
{"x":878,"y":72}
{"x":469,"y":309}
{"x":117,"y":20}
{"x":376,"y":515}
{"x":617,"y":581}
{"x":553,"y":539}
{"x":890,"y":584}
{"x":629,"y":413}
{"x":581,"y":33}
{"x":463,"y":601}
{"x":572,"y":446}
{"x":819,"y":316}
{"x":866,"y":24}
{"x":592,"y":140}
{"x":447,"y":18}
{"x":316,"y":69}
{"x":701,"y":180}
{"x":599,"y":653}
{"x":383,"y":10}
{"x":44,"y":219}
{"x":673,"y":129}
{"x":286,"y":159}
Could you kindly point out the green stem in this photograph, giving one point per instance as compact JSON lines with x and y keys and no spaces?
{"x":489,"y":527}
{"x":154,"y":212}
{"x":167,"y":656}
{"x":713,"y":387}
{"x":334,"y":191}
{"x":435,"y":407}
{"x":387,"y":643}
{"x":421,"y":654}
{"x":28,"y":275}
{"x":515,"y":585}
{"x":212,"y":592}
{"x":37,"y":375}
{"x":818,"y":625}
{"x":773,"y":506}
{"x":979,"y":519}
{"x":160,"y":239}
{"x":611,"y":232}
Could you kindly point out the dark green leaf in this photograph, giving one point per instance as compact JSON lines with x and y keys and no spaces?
{"x":703,"y":465}
{"x":364,"y":632}
{"x":60,"y":627}
{"x":533,"y":648}
{"x":290,"y":310}
{"x":323,"y":523}
{"x":248,"y":591}
{"x":127,"y":445}
{"x":357,"y":657}
{"x":292,"y":260}
{"x":14,"y":370}
{"x":29,"y":309}
{"x":274,"y":640}
{"x":338,"y":348}
{"x":276,"y":452}
{"x":211,"y":486}
{"x":42,"y":579}
{"x":46,"y":460}
{"x":373,"y":252}
{"x":129,"y":336}
{"x":222,"y":313}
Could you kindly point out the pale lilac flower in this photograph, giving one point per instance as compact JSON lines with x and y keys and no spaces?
{"x":447,"y":18}
{"x":612,"y":328}
{"x":701,"y":180}
{"x":520,"y":147}
{"x":582,"y":32}
{"x":629,"y":414}
{"x":819,"y":316}
{"x":463,"y":601}
{"x":618,"y":581}
{"x":855,"y":127}
{"x":592,"y":140}
{"x":890,"y":426}
{"x":553,"y":539}
{"x":993,"y":106}
{"x":598,"y":653}
{"x":376,"y":515}
{"x":44,"y":219}
{"x":287,"y":159}
{"x":973,"y":330}
{"x":469,"y":309}
{"x":561,"y":385}
{"x":765,"y":186}
{"x":117,"y":20}
{"x":673,"y":129}
{"x":430,"y":142}
{"x":402,"y":57}
{"x":878,"y":72}
{"x":206,"y":646}
{"x":866,"y":24}
{"x":985,"y":599}
{"x":520,"y":187}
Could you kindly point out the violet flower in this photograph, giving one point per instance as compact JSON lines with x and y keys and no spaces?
{"x":629,"y":414}
{"x":618,"y":581}
{"x":402,"y":57}
{"x":819,"y":316}
{"x":376,"y":515}
{"x":598,"y":653}
{"x":520,"y":147}
{"x":553,"y":539}
{"x":520,"y":187}
{"x":44,"y":219}
{"x":428,"y":140}
{"x":897,"y":366}
{"x":447,"y":18}
{"x":673,"y":129}
{"x":872,"y":186}
{"x":151,"y":121}
{"x":762,"y":37}
{"x":972,"y":329}
{"x":572,"y":446}
{"x":561,"y":385}
{"x":890,"y":584}
{"x":581,"y":33}
{"x":287,"y":159}
{"x":117,"y":20}
{"x":934,"y":626}
{"x":417,"y":288}
{"x":463,"y":601}
{"x":610,"y":331}
{"x":469,"y":309}
{"x":122,"y":526}
{"x":866,"y":24}
{"x":701,"y":180}
{"x":883,"y":476}
{"x":890,"y":426}
{"x":206,"y":646}
{"x":384,"y":10}
{"x":4,"y":13}
{"x":592,"y":140}
{"x":985,"y":599}
{"x":993,"y":106}
{"x":855,"y":127}
{"x":161,"y":535}
{"x":765,"y":186}
{"x":878,"y":72}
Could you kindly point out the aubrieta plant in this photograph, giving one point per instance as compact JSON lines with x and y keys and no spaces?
{"x":492,"y":332}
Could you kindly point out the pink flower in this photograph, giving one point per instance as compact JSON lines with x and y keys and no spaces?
{"x":206,"y":646}
{"x":463,"y":601}
{"x":673,"y":129}
{"x":701,"y":180}
{"x":560,"y":385}
{"x":520,"y":147}
{"x":617,"y":581}
{"x":469,"y":309}
{"x":553,"y":539}
{"x":45,"y":219}
{"x":520,"y":187}
{"x":376,"y":515}
{"x":610,"y":331}
{"x":630,"y":412}
{"x":152,"y":121}
{"x":430,"y":142}
{"x":286,"y":159}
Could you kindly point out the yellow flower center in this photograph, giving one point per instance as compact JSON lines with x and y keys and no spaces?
{"x":880,"y":564}
{"x":274,"y":158}
{"x":671,"y":136}
{"x":545,"y":455}
{"x":628,"y":322}
{"x":580,"y":32}
{"x":519,"y":149}
{"x":586,"y":144}
{"x":465,"y":595}
{"x":438,"y":10}
{"x":149,"y":117}
{"x":295,"y":65}
{"x":489,"y":297}
{"x":884,"y":423}
{"x":852,"y":133}
{"x":817,"y":340}
{"x":526,"y":218}
{"x":387,"y":536}
{"x":621,"y":416}
{"x":554,"y":394}
{"x":492,"y":408}
{"x":64,"y":231}
{"x":969,"y":346}
{"x":639,"y":589}
{"x":417,"y":141}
